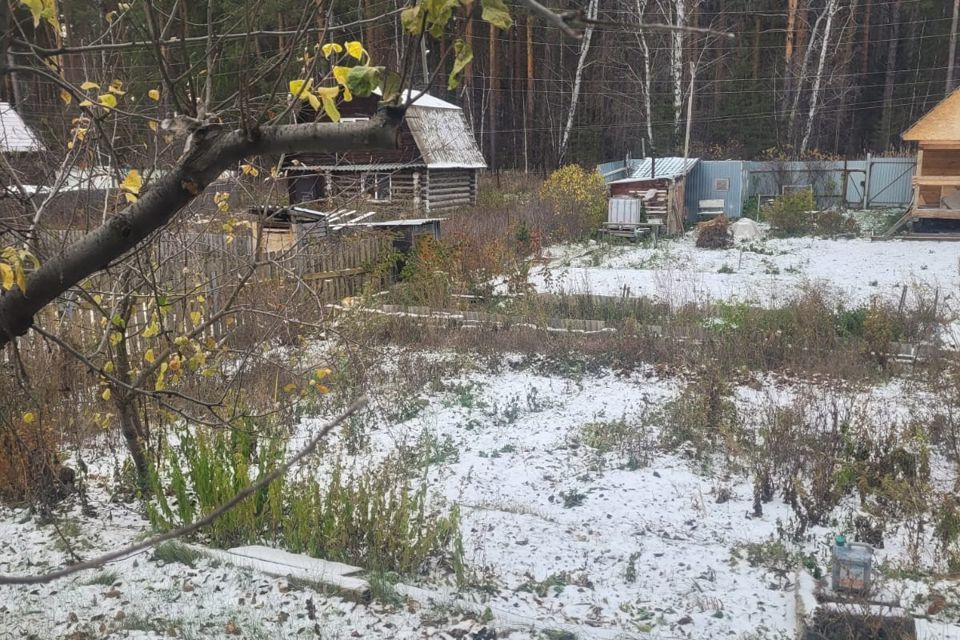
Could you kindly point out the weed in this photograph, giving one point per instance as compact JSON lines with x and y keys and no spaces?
{"x":701,"y":418}
{"x":379,"y":519}
{"x":175,"y":552}
{"x":465,"y":395}
{"x":555,"y":583}
{"x":572,"y":498}
{"x":433,"y":450}
{"x":103,"y":579}
{"x":726,"y":269}
{"x":407,"y":408}
{"x":66,"y":535}
{"x":630,"y":575}
{"x":630,"y":440}
{"x":383,"y":588}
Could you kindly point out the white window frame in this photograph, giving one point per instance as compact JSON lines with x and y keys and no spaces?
{"x":721,"y":181}
{"x":376,"y":195}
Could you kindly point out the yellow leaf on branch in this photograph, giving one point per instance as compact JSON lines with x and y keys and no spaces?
{"x":330,"y":48}
{"x":107,"y":100}
{"x":355,"y":49}
{"x":6,"y":276}
{"x":131,"y":185}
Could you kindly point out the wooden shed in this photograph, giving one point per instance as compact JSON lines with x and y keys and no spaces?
{"x":435,"y":166}
{"x":936,"y":183}
{"x":659,"y":182}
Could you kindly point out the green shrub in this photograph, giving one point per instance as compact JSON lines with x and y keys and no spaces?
{"x":791,"y":214}
{"x":379,"y":519}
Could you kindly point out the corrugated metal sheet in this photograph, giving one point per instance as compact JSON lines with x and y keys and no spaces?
{"x":612,"y":170}
{"x":444,"y":138}
{"x":707,"y":182}
{"x":385,"y":166}
{"x":623,"y":210}
{"x":657,"y":168}
{"x":15,"y":135}
{"x":891,"y":181}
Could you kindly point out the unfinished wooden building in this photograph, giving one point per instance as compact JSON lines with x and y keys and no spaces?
{"x":936,"y":183}
{"x":434,"y":168}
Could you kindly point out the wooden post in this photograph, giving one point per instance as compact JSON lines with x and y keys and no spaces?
{"x":416,"y":191}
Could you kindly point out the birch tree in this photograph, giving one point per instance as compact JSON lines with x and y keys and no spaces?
{"x":592,"y":11}
{"x":802,"y":76}
{"x":830,"y":11}
{"x":646,"y":78}
{"x":676,"y":13}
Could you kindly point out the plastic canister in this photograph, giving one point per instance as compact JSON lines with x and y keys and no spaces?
{"x":852,"y":566}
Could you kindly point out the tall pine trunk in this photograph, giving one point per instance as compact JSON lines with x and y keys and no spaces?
{"x":952,"y":50}
{"x":529,"y":99}
{"x":890,"y":77}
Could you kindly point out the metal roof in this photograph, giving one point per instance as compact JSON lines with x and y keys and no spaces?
{"x":444,"y":138}
{"x":386,"y":166}
{"x":413,"y":222}
{"x":658,"y":168}
{"x":15,"y":135}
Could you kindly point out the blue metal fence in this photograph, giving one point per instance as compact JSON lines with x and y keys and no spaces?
{"x":873,"y":182}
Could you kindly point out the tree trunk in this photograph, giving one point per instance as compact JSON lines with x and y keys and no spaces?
{"x":578,"y":80}
{"x":676,"y":64}
{"x":686,"y":137}
{"x":757,"y":28}
{"x":802,"y":78}
{"x":494,"y":88}
{"x":890,"y":77}
{"x":647,"y":80}
{"x":952,"y":52}
{"x":830,"y":10}
{"x":530,"y":99}
{"x":789,"y":46}
{"x":865,"y":39}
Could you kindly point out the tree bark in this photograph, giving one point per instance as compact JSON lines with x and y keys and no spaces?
{"x":830,"y":10}
{"x":647,"y":80}
{"x":578,"y":80}
{"x":952,"y":52}
{"x":530,"y":99}
{"x":802,"y":78}
{"x":890,"y":76}
{"x":865,"y":40}
{"x":210,"y":151}
{"x":676,"y":64}
{"x":494,"y":86}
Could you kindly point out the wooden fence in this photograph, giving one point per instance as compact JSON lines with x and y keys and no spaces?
{"x":192,"y":275}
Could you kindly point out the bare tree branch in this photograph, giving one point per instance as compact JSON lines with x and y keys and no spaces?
{"x":210,"y":151}
{"x":199,"y":524}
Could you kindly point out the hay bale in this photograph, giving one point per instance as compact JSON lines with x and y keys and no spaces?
{"x":714,"y":234}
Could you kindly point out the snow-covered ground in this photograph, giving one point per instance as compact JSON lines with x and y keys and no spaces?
{"x":647,"y":550}
{"x":766,"y":272}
